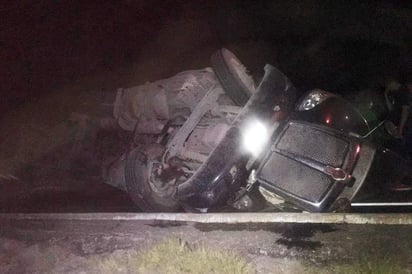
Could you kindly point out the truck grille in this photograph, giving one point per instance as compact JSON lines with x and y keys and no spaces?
{"x":312,"y":143}
{"x":293,"y":177}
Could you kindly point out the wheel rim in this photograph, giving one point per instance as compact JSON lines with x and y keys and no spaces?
{"x":158,"y":186}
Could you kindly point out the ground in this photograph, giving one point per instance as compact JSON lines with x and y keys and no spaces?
{"x":76,"y":246}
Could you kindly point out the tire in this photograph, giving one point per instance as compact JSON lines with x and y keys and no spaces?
{"x":139,"y":189}
{"x":233,"y":77}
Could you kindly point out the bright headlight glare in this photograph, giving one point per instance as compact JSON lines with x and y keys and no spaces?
{"x":255,"y":137}
{"x":313,"y":99}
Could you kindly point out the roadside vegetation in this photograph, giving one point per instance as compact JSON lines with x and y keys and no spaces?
{"x":174,"y":256}
{"x":177,"y":256}
{"x":366,"y":264}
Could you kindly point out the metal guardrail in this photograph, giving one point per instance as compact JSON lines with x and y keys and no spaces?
{"x":224,"y":218}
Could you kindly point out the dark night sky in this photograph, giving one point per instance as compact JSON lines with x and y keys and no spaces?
{"x":334,"y":44}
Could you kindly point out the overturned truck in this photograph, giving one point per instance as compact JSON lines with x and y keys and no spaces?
{"x":211,"y":139}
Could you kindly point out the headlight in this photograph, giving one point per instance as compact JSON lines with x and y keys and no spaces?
{"x":255,"y":137}
{"x":313,"y":99}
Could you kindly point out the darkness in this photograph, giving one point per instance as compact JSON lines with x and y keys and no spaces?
{"x":46,"y":44}
{"x":59,"y":56}
{"x":338,"y":45}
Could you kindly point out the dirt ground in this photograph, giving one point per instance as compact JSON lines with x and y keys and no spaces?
{"x":72,"y":247}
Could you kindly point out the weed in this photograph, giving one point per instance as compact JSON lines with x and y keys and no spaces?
{"x":366,"y":264}
{"x":175,"y":256}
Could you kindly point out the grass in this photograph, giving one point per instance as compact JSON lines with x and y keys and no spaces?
{"x":366,"y":264}
{"x":175,"y":256}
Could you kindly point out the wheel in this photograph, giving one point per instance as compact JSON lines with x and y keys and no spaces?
{"x":150,"y":195}
{"x":233,"y":76}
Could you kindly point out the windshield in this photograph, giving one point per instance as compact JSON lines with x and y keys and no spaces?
{"x":371,"y":104}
